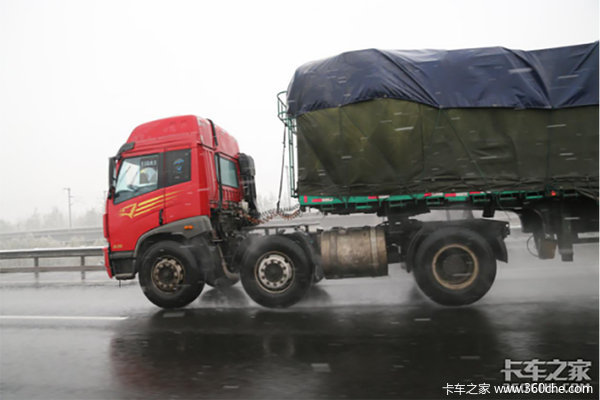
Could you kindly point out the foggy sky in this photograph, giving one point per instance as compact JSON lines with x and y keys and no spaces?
{"x":77,"y":76}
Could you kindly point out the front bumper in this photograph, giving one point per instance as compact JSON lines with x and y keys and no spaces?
{"x":119,"y":264}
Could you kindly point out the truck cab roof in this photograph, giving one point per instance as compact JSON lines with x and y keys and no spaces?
{"x":181,"y":131}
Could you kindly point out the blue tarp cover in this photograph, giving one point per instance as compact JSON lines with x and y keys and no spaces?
{"x":471,"y":78}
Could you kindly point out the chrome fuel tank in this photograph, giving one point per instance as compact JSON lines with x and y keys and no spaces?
{"x":353,"y":252}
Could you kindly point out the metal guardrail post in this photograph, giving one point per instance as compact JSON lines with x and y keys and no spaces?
{"x":36,"y":266}
{"x":82,"y":263}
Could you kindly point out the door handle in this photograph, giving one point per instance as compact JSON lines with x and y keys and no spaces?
{"x":160,"y":216}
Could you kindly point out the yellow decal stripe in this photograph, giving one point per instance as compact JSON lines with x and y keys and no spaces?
{"x":146,"y":206}
{"x":171,"y":196}
{"x":149,"y":205}
{"x":127,"y":211}
{"x":142,"y":203}
{"x":138,"y":213}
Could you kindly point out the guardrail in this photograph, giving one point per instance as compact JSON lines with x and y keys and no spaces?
{"x":86,"y":236}
{"x":67,"y":252}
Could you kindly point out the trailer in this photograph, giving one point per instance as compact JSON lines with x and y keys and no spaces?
{"x":393,"y":133}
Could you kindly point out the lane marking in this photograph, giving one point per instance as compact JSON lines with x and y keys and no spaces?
{"x":321,"y":367}
{"x":61,"y":317}
{"x":174,"y":314}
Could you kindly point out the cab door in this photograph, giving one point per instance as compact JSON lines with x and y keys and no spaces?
{"x":181,"y":184}
{"x":138,"y":201}
{"x":228,"y":178}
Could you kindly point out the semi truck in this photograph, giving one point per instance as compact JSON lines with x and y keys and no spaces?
{"x":392,"y":133}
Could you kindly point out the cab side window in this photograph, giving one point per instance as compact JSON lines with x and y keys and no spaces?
{"x":228,"y":171}
{"x":178,"y":169}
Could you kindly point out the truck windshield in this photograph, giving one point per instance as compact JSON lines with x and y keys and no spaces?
{"x":137,"y":175}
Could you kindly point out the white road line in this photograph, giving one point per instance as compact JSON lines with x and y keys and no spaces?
{"x":174,"y":314}
{"x":61,"y":317}
{"x":321,"y":367}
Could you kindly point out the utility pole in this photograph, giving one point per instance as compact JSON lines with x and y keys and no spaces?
{"x":70,"y":203}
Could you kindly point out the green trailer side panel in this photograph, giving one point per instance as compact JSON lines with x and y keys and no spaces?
{"x":388,"y":146}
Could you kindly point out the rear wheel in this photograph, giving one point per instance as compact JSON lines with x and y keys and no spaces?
{"x":169,"y":276}
{"x":455,"y":266}
{"x":275,"y":272}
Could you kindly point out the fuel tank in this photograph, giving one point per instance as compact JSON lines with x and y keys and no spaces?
{"x":353,"y":252}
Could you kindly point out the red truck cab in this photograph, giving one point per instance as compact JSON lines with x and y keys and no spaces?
{"x":170,"y":170}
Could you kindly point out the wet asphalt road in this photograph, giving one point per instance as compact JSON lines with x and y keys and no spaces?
{"x":354,"y":338}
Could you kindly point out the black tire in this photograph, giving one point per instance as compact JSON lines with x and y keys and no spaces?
{"x":275,"y":272}
{"x":454,"y":266}
{"x":169,"y":276}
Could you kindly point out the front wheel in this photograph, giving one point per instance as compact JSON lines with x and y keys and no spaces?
{"x":455,"y":266}
{"x":275,"y":272}
{"x":169,"y":276}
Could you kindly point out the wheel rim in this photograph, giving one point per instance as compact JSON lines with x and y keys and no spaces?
{"x":168,"y":274}
{"x":274,"y":272}
{"x":455,"y":266}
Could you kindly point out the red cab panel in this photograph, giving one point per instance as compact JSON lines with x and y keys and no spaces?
{"x":169,"y":170}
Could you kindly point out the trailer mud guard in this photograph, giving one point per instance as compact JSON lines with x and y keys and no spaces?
{"x":493,"y":231}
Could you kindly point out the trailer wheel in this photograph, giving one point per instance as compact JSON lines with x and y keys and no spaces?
{"x":169,"y":276}
{"x":275,"y":272}
{"x":455,"y":266}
